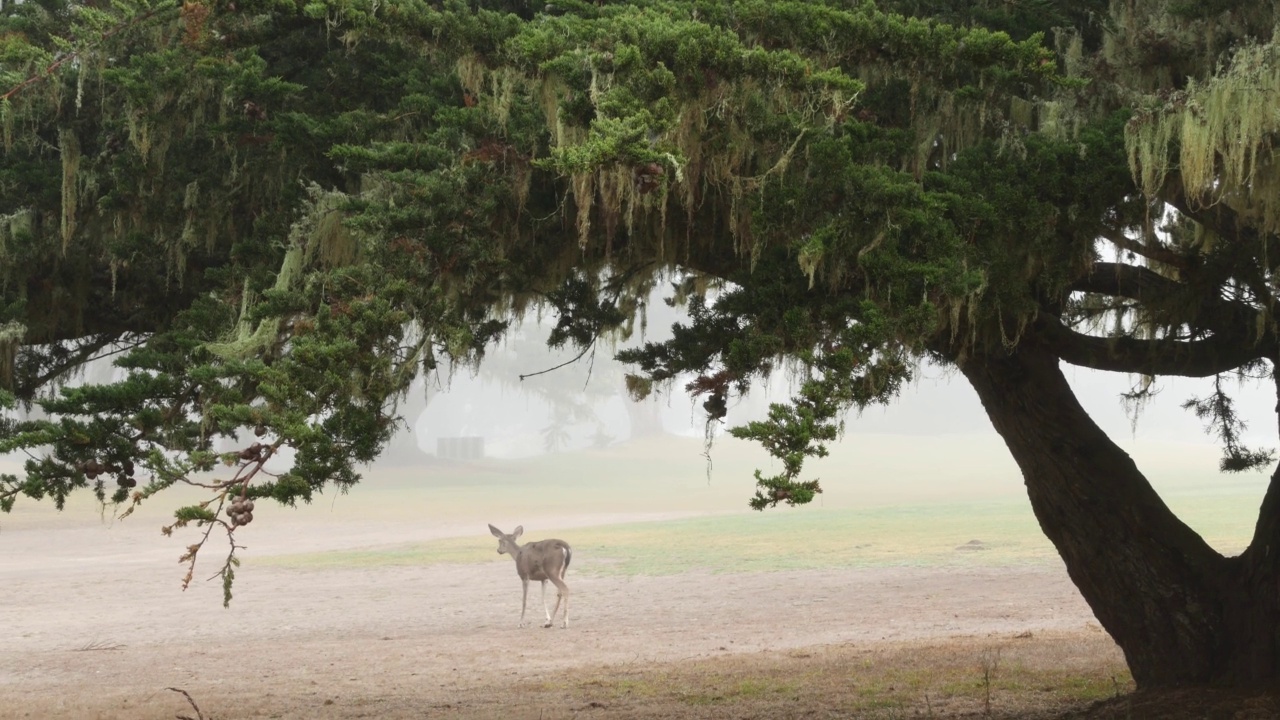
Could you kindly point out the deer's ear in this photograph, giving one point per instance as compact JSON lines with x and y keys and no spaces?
{"x":518,"y":531}
{"x":496,"y":532}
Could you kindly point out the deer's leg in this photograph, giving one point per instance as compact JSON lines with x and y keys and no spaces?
{"x":524,"y":600}
{"x":544,"y":605}
{"x":562,"y":594}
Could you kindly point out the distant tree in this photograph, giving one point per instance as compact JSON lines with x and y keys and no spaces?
{"x":525,"y":366}
{"x":277,"y":214}
{"x":402,"y":449}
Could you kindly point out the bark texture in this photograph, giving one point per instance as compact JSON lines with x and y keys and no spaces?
{"x":1180,"y":611}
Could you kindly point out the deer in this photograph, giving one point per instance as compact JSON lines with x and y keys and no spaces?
{"x":544,"y":560}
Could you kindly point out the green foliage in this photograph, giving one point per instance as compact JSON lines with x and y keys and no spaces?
{"x":228,"y":578}
{"x":194,"y":513}
{"x":1218,"y":412}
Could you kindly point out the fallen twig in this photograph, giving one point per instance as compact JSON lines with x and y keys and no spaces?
{"x":199,"y":715}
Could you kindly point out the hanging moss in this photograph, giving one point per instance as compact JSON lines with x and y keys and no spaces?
{"x":1218,"y":134}
{"x":255,"y":339}
{"x":12,"y":334}
{"x":69,"y":148}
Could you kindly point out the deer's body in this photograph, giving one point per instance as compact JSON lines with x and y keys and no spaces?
{"x":543,"y":561}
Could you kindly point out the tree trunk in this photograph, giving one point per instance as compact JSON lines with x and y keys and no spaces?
{"x":645,"y":417}
{"x":1181,"y":612}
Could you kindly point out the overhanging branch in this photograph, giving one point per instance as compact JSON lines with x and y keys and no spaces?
{"x":1207,"y":312}
{"x":1221,"y":352}
{"x":1162,"y":255}
{"x":39,"y":368}
{"x":74,"y":56}
{"x":1122,"y":280}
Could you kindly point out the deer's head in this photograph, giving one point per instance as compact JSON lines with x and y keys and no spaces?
{"x":507,"y":543}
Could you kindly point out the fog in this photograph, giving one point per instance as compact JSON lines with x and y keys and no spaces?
{"x":933,"y":443}
{"x":934,"y":437}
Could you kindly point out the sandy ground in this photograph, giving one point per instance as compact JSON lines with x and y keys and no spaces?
{"x":94,"y":625}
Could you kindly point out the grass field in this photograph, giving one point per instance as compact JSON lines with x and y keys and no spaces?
{"x":869,"y":514}
{"x":792,"y":539}
{"x":866,"y":517}
{"x":991,"y":532}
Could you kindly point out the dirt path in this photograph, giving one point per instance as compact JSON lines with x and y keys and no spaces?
{"x":94,"y":626}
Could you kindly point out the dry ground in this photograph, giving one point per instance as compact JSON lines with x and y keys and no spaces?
{"x":96,"y":627}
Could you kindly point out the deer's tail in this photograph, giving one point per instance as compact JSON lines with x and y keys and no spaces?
{"x":568,"y":556}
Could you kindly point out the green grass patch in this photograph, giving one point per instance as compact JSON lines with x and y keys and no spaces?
{"x":815,"y":538}
{"x":1224,"y":514}
{"x":750,"y":542}
{"x":740,"y":690}
{"x":995,"y":532}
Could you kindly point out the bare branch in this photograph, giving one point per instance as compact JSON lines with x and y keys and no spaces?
{"x":1206,"y":311}
{"x":1221,"y":352}
{"x":1158,"y":253}
{"x":571,"y":361}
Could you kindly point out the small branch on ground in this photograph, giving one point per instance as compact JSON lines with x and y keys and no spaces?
{"x":199,"y":715}
{"x":990,"y":663}
{"x":99,"y":645}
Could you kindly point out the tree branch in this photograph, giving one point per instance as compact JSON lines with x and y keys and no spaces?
{"x":74,"y":55}
{"x":194,"y":706}
{"x":26,"y":386}
{"x":1158,"y":253}
{"x":1221,"y":352}
{"x":1123,"y":280}
{"x":1204,"y":311}
{"x":571,"y":361}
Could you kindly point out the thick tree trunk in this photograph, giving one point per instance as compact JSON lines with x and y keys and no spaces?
{"x":1181,"y":612}
{"x":1251,"y":600}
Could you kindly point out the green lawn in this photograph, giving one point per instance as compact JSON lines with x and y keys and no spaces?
{"x":925,"y":534}
{"x":779,"y":540}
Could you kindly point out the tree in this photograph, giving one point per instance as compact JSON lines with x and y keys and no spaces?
{"x":278,"y":213}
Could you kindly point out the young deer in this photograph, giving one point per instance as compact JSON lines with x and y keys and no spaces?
{"x":543,"y":560}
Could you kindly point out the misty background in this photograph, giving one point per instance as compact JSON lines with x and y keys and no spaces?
{"x":934,"y":433}
{"x":934,"y":441}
